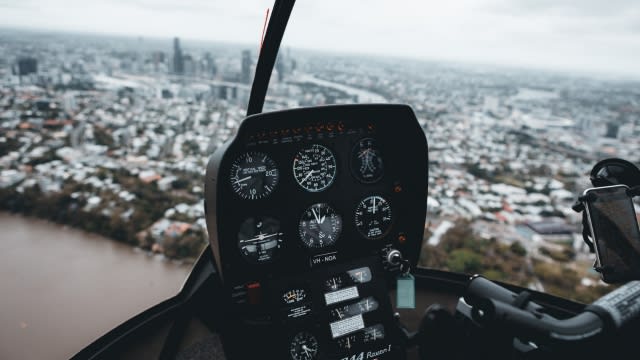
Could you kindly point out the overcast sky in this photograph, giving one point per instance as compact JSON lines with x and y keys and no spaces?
{"x":582,"y":35}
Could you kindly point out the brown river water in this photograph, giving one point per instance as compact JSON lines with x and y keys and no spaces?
{"x":61,"y":288}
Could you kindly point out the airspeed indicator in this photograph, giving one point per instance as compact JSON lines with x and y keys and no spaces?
{"x":314,"y":168}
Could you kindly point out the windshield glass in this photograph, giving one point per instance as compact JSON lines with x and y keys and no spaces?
{"x":108,"y":112}
{"x":518,"y":101}
{"x":110,"y":109}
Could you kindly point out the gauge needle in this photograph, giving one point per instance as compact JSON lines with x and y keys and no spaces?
{"x":308,"y":175}
{"x":374,"y":205}
{"x":315,"y":215}
{"x":242,"y":180}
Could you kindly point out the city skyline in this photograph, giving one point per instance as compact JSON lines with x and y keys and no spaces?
{"x":115,"y":134}
{"x":581,"y":37}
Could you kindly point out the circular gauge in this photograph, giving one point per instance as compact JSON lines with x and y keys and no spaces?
{"x":259,"y":239}
{"x":347,"y":342}
{"x":373,"y":217}
{"x":314,"y":168}
{"x":373,"y":333}
{"x":320,"y":226}
{"x":367,"y":305}
{"x":304,"y":346}
{"x":366,"y":161}
{"x":254,"y":175}
{"x":334,"y":283}
{"x":293,"y":296}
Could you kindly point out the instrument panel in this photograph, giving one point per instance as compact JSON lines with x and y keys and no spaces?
{"x":297,"y":195}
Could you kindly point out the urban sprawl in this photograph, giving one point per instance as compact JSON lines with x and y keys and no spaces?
{"x":112,"y":135}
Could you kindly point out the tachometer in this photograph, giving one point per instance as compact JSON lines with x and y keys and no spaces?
{"x":254,"y":175}
{"x":320,"y":226}
{"x":373,"y":217}
{"x":304,"y":346}
{"x":366,"y":161}
{"x":314,"y":168}
{"x":259,"y":239}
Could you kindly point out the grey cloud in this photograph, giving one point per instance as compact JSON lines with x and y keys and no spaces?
{"x":600,"y":8}
{"x":23,"y":4}
{"x":215,"y":8}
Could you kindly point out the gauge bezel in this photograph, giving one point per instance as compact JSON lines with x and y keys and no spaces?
{"x":355,"y":172}
{"x":384,"y":232}
{"x":266,"y":190}
{"x":280,"y":240}
{"x":309,"y":336}
{"x":332,"y":176}
{"x":336,"y":234}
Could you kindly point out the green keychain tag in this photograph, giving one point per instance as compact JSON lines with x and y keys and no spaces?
{"x":406,"y":292}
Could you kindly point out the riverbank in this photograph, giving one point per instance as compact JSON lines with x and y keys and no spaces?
{"x":62,"y":287}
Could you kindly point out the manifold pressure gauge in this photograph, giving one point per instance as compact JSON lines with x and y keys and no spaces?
{"x":373,"y":217}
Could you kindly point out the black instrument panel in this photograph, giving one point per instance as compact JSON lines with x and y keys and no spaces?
{"x":301,"y":206}
{"x":307,"y":187}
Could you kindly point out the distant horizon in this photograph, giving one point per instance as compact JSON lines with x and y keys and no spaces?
{"x":185,"y":41}
{"x":575,"y":37}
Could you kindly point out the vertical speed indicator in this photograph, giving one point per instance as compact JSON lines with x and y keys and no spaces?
{"x":254,"y":175}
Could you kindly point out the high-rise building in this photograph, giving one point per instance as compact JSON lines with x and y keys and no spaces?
{"x":189,"y":65}
{"x":178,"y":60}
{"x":25,"y":66}
{"x":209,"y":65}
{"x":246,"y":66}
{"x":612,"y":130}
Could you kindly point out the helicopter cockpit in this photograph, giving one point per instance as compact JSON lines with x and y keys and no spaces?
{"x":316,"y":217}
{"x":315,"y":212}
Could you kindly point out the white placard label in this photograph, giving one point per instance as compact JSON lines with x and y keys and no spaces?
{"x":341,"y":295}
{"x":346,"y":326}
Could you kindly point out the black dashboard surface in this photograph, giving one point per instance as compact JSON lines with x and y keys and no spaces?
{"x":281,"y":136}
{"x":303,"y":208}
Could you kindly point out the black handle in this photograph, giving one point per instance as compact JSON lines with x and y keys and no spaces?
{"x":622,"y":305}
{"x":497,"y":307}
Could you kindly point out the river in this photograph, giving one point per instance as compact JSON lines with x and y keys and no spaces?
{"x":61,"y":288}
